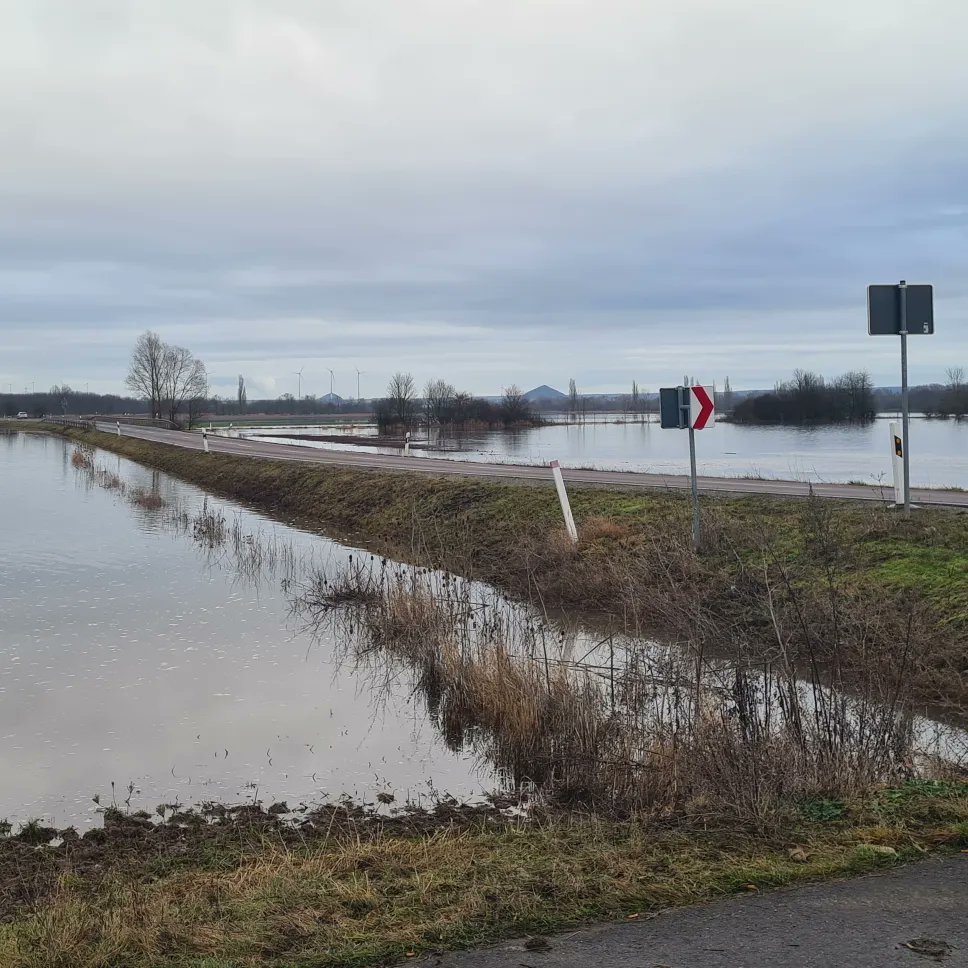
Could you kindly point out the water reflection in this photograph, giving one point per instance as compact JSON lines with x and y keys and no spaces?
{"x":125,"y":655}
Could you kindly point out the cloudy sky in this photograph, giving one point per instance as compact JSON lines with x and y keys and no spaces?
{"x":497,"y":191}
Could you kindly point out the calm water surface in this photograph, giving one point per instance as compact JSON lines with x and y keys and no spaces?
{"x":128,"y":655}
{"x":939,"y":449}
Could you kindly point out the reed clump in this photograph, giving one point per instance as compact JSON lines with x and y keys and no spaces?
{"x":624,"y":722}
{"x":209,"y":527}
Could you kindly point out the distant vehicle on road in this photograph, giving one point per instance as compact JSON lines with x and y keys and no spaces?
{"x":23,"y":415}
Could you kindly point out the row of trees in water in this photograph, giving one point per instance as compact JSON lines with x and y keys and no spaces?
{"x":442,"y":405}
{"x":949,"y":399}
{"x":809,"y":398}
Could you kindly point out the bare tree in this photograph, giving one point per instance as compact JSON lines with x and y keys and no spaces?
{"x":439,"y":402}
{"x":956,"y":392}
{"x":243,"y":396}
{"x":145,"y":372}
{"x":572,"y":397}
{"x":183,"y":380}
{"x":462,"y":404}
{"x":61,"y":396}
{"x":401,"y":396}
{"x":514,"y":405}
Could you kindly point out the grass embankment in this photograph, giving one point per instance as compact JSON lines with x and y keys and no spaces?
{"x":864,"y":574}
{"x":342,"y":891}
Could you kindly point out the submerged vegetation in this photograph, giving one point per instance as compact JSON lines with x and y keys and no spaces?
{"x":623,"y":723}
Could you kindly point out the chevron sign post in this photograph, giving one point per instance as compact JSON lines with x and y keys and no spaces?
{"x":692,"y":409}
{"x":702,"y":410}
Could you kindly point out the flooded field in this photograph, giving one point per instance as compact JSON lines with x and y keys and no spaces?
{"x":131,"y":654}
{"x":161,"y":646}
{"x":839,"y":454}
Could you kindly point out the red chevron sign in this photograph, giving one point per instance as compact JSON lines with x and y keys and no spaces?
{"x":701,"y":407}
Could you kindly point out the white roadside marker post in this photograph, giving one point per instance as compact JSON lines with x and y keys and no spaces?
{"x":897,"y":463}
{"x":205,"y":441}
{"x":565,"y":504}
{"x":406,"y":445}
{"x":119,"y":428}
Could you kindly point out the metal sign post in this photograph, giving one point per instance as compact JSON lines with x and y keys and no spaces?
{"x":696,"y":535}
{"x":905,"y":397}
{"x":902,"y":310}
{"x":692,"y":409}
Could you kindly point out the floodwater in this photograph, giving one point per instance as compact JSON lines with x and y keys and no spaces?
{"x":838,"y":454}
{"x":135,"y":657}
{"x":128,"y":655}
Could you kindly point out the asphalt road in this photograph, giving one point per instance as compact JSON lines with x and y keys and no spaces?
{"x":906,"y":917}
{"x":436,"y":466}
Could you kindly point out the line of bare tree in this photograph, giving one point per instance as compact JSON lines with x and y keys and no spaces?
{"x":169,"y":378}
{"x":809,"y":398}
{"x":443,"y":406}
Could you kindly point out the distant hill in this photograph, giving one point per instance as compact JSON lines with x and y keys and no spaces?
{"x":544,"y":394}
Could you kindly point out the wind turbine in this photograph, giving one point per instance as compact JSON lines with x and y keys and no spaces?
{"x":331,"y":378}
{"x":299,"y":374}
{"x":358,"y":372}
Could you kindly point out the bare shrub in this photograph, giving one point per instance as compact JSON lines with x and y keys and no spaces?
{"x":637,"y":726}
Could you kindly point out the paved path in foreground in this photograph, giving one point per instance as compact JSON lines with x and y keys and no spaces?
{"x":438,"y":466}
{"x":861,"y":923}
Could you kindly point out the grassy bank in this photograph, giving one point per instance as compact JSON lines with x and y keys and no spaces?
{"x":857,"y":577}
{"x":339,"y":890}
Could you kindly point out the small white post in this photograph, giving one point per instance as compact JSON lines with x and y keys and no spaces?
{"x":205,"y":440}
{"x":897,"y":463}
{"x":406,"y":445}
{"x":565,"y":505}
{"x":119,"y":427}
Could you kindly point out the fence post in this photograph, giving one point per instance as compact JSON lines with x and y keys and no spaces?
{"x":565,"y":505}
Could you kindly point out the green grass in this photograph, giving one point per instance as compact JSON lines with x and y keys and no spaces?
{"x":365,"y":900}
{"x":937,"y":573}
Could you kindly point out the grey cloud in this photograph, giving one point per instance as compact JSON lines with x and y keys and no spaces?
{"x":502,"y":190}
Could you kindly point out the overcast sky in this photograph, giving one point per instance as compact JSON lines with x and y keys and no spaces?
{"x":497,"y":191}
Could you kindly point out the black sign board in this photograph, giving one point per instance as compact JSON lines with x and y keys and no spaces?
{"x":884,"y":310}
{"x":671,"y":415}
